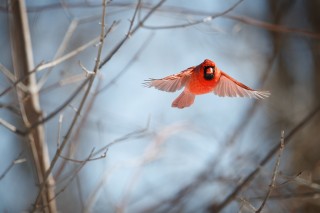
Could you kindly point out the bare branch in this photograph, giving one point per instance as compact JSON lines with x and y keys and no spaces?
{"x":19,"y":82}
{"x":135,"y":134}
{"x":119,"y":45}
{"x":126,"y":67}
{"x":312,"y":195}
{"x":246,"y":204}
{"x":68,"y":55}
{"x":12,"y":78}
{"x":264,"y":161}
{"x":274,"y":27}
{"x":274,"y":174}
{"x":73,"y":176}
{"x":133,"y":18}
{"x":60,"y":108}
{"x":11,"y":108}
{"x":88,"y":159}
{"x":204,"y":20}
{"x":243,"y":19}
{"x":16,"y":161}
{"x":90,"y":79}
{"x":59,"y":130}
{"x":22,"y":60}
{"x":11,"y":127}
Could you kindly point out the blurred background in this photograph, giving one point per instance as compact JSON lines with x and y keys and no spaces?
{"x":158,"y":158}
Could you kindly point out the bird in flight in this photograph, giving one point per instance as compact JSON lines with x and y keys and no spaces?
{"x":202,"y":79}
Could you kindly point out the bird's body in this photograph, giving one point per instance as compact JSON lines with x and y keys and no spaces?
{"x":197,"y":85}
{"x":202,"y":79}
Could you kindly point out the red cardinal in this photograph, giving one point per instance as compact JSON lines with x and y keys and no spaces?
{"x":202,"y":79}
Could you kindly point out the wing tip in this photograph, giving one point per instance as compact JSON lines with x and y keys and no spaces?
{"x":262,"y":94}
{"x":148,"y":83}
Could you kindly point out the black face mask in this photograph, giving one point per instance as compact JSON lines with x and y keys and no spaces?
{"x":209,"y":73}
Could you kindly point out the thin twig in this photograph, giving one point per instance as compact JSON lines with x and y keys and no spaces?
{"x":55,"y":5}
{"x":310,"y":184}
{"x":12,"y":128}
{"x":181,"y":10}
{"x":59,"y":130}
{"x":150,"y":154}
{"x":65,"y":81}
{"x":10,"y":108}
{"x":68,"y":55}
{"x":73,"y":146}
{"x":76,"y":51}
{"x":12,"y":78}
{"x":243,"y":19}
{"x":75,"y":174}
{"x":90,"y":159}
{"x":94,"y":194}
{"x":60,"y":108}
{"x":126,"y":67}
{"x":19,"y":81}
{"x":57,"y":61}
{"x":131,"y":135}
{"x":133,"y":18}
{"x":80,"y":193}
{"x":274,"y":27}
{"x":315,"y":195}
{"x":274,"y":174}
{"x":66,"y":39}
{"x":204,"y":20}
{"x":119,"y":45}
{"x":16,"y":161}
{"x":247,"y":204}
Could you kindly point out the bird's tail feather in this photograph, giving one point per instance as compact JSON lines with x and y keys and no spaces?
{"x":185,"y":99}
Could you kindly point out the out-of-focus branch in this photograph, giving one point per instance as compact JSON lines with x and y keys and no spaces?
{"x":204,"y":20}
{"x":217,"y":208}
{"x":75,"y":118}
{"x":61,"y":107}
{"x":49,"y":65}
{"x":130,"y":33}
{"x":274,"y":174}
{"x":16,"y":161}
{"x":274,"y":27}
{"x":126,"y":68}
{"x":11,"y":127}
{"x":11,"y":77}
{"x":11,"y":108}
{"x":242,"y":19}
{"x":22,"y":58}
{"x":74,"y":175}
{"x":17,"y":82}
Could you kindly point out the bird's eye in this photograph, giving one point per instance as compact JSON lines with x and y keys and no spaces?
{"x":208,"y":73}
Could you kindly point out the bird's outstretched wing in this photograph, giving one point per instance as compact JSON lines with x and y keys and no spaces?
{"x":171,"y":83}
{"x":228,"y":86}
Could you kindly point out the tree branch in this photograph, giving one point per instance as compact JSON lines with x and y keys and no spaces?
{"x":217,"y":208}
{"x":22,"y":57}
